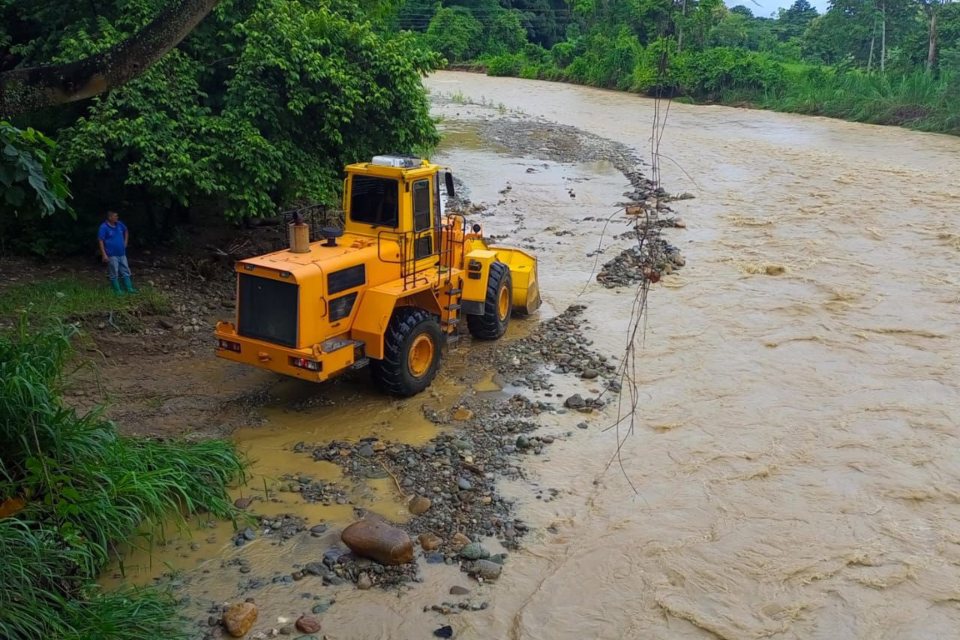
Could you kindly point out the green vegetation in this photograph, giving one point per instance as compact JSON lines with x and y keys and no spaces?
{"x":70,"y":298}
{"x":70,"y":488}
{"x":879,"y":61}
{"x":257,"y":110}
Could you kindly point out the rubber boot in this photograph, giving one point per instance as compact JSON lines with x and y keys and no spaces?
{"x":128,"y":283}
{"x":115,"y":284}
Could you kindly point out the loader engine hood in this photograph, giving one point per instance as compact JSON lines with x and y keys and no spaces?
{"x":301,"y":299}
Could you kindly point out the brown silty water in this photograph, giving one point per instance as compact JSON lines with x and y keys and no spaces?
{"x":794,"y":450}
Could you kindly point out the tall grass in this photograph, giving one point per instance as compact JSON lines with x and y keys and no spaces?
{"x":84,"y":488}
{"x":917,"y":100}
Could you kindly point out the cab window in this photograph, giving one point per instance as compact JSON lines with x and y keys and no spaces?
{"x":421,"y":205}
{"x":374,"y":201}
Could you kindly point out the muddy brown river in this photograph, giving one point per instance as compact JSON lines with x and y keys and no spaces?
{"x":793,"y":471}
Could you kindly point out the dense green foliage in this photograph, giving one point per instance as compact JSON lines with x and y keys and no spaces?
{"x":83,"y":488}
{"x":32,"y":183}
{"x":867,"y":60}
{"x":257,"y":110}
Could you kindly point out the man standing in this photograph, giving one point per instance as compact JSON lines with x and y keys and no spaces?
{"x":113,"y":237}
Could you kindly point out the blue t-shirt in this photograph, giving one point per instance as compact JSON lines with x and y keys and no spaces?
{"x":113,"y":239}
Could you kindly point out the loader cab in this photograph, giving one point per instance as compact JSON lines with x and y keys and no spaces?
{"x":394,"y":197}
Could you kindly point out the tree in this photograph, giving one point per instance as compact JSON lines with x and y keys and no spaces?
{"x":792,"y":22}
{"x":932,"y":8}
{"x":455,"y":33}
{"x":32,"y":88}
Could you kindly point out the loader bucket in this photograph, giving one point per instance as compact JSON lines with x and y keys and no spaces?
{"x":523,"y":273}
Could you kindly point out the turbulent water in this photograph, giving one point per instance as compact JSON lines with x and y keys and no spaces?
{"x":792,"y":471}
{"x":795,"y":453}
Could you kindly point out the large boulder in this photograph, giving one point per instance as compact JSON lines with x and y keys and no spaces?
{"x":239,"y":617}
{"x":378,"y":540}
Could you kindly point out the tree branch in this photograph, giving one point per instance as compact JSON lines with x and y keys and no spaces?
{"x":24,"y":90}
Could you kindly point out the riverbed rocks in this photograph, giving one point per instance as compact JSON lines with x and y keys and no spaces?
{"x":239,"y":618}
{"x":378,"y":540}
{"x":647,"y":260}
{"x":560,"y":342}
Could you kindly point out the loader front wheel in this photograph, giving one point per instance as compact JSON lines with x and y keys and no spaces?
{"x":497,"y":306}
{"x":411,"y":353}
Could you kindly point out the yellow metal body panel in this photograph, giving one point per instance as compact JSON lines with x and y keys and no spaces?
{"x":475,"y":282}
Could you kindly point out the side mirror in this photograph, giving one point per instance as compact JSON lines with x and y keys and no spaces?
{"x":448,"y":179}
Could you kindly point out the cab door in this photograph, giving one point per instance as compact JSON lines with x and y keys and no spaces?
{"x":424,"y":229}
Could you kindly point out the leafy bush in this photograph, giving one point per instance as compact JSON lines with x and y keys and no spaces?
{"x":70,"y":488}
{"x":507,"y":64}
{"x":607,"y":62}
{"x":707,"y":74}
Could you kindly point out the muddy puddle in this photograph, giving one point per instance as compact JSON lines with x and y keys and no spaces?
{"x":790,"y":471}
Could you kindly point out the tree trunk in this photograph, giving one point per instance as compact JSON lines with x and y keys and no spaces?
{"x":683,"y":17}
{"x":932,"y":49}
{"x":25,"y":90}
{"x":883,"y":40}
{"x":873,"y":38}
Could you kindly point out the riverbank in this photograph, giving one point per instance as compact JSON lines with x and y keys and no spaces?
{"x":917,"y":100}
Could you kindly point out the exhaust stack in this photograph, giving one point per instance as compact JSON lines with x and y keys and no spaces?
{"x":299,"y":237}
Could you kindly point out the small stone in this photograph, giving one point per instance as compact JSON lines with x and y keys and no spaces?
{"x":239,"y":618}
{"x":457,"y":590}
{"x":523,"y":442}
{"x":474,"y":551}
{"x":314,"y":569}
{"x":242,"y":503}
{"x":575,"y":401}
{"x":419,"y":505}
{"x":166,"y":324}
{"x":366,"y":451}
{"x":429,"y":541}
{"x":318,"y":530}
{"x":445,"y":631}
{"x":286,"y":631}
{"x":486,"y":569}
{"x":249,"y":534}
{"x":582,"y":425}
{"x":307,"y":624}
{"x":364,"y":582}
{"x":462,"y":413}
{"x":459,"y":541}
{"x":589,"y":374}
{"x":464,"y":484}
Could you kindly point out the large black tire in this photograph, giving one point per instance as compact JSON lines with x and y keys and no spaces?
{"x":398,"y":374}
{"x":493,"y":323}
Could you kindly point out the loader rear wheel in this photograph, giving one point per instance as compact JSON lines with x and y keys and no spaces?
{"x":411,"y":353}
{"x":496,"y":307}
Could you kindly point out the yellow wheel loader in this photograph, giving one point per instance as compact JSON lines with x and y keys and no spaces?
{"x":385,"y":291}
